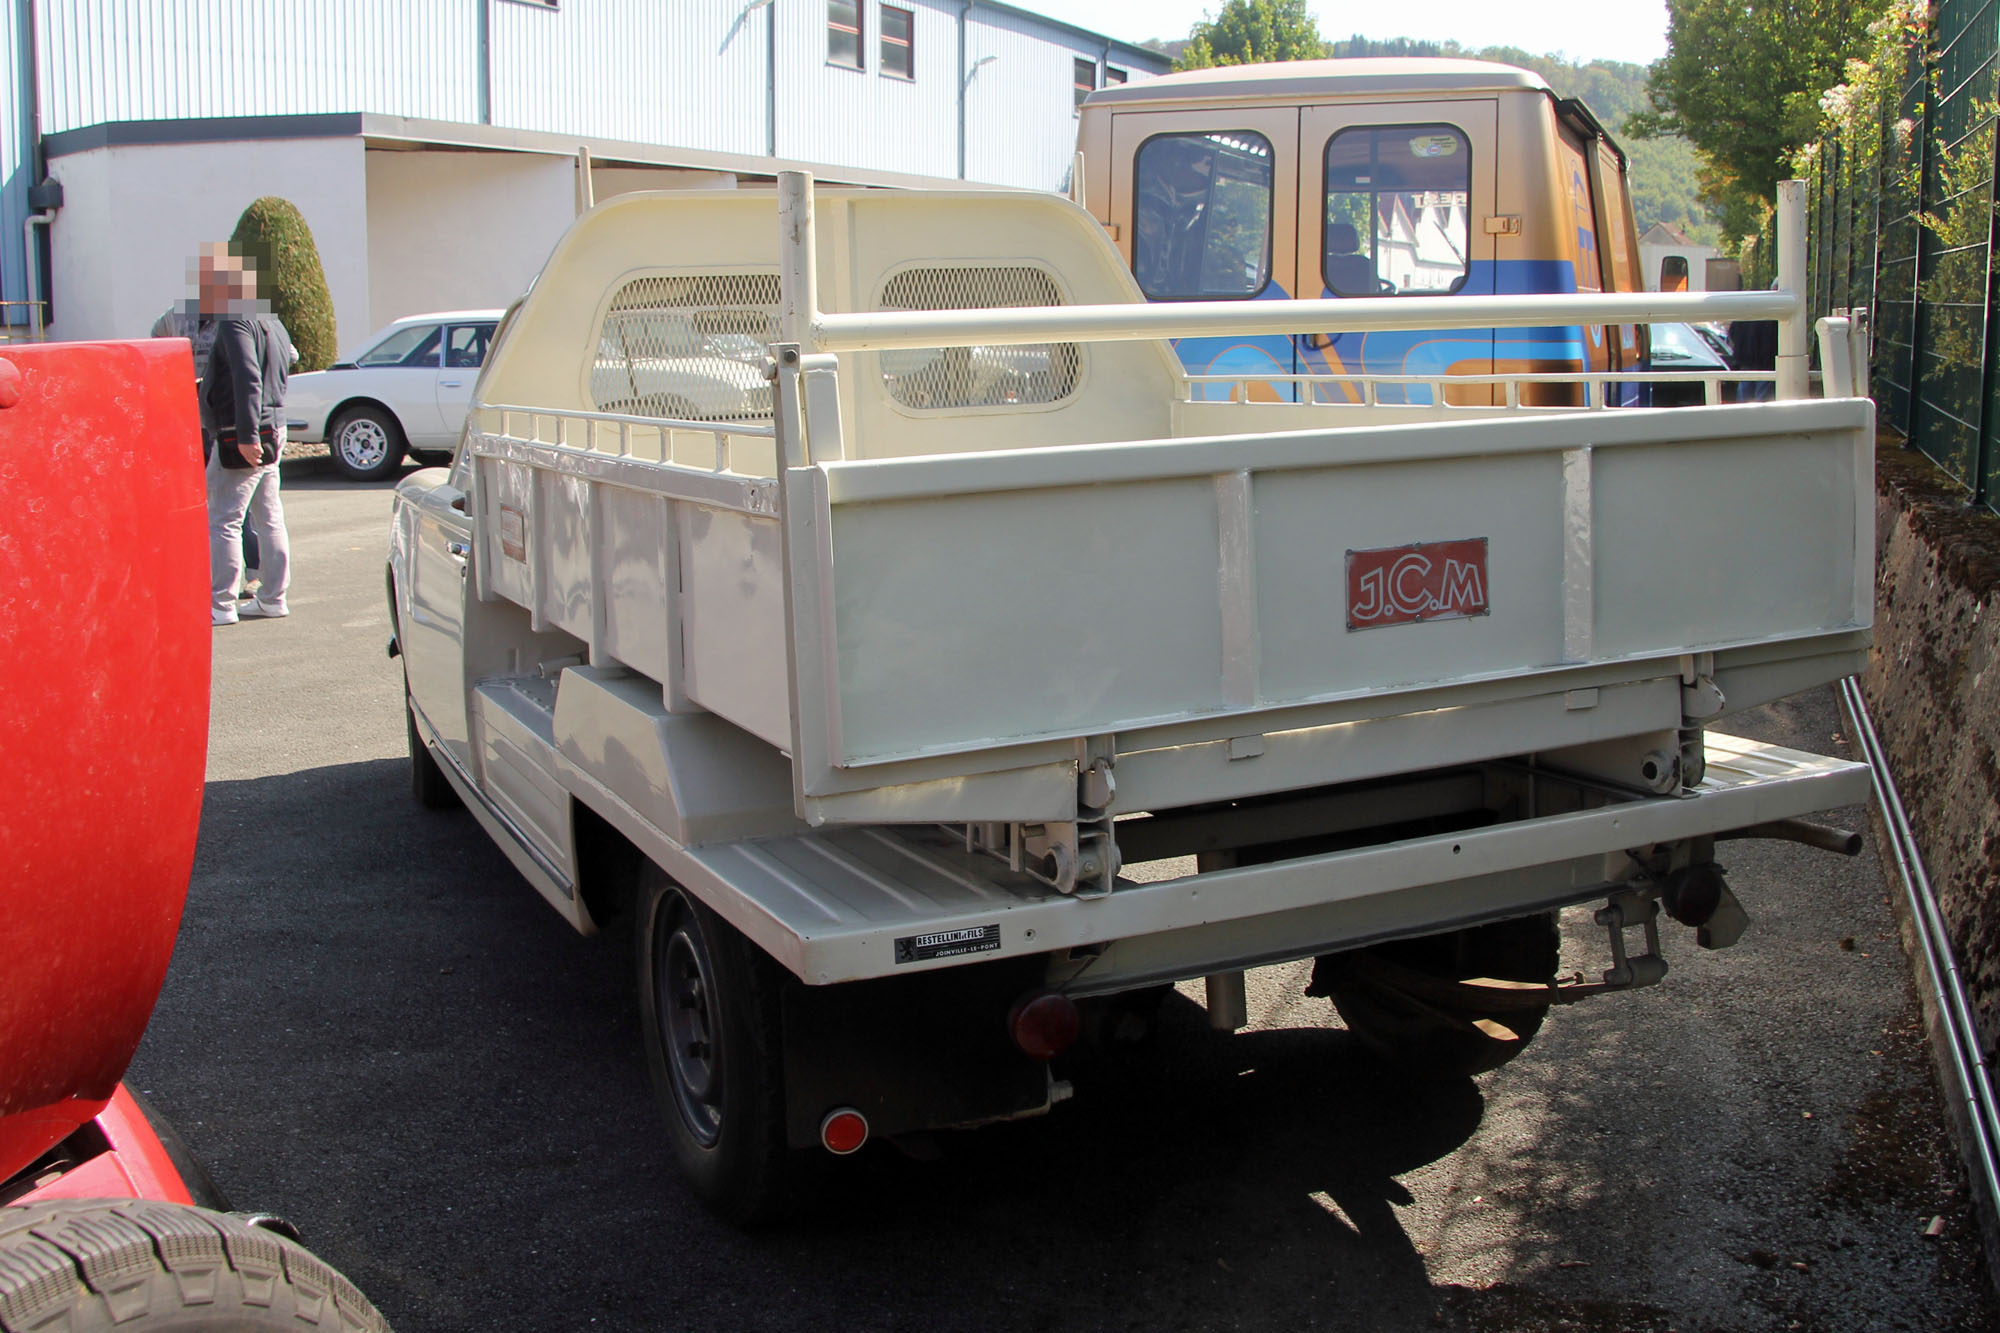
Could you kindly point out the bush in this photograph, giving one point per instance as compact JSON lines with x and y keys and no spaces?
{"x":273,"y":234}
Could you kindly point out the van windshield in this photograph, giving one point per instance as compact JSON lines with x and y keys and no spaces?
{"x":1202,"y":215}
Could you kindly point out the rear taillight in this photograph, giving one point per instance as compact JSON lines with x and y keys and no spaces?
{"x":843,"y":1131}
{"x":1044,"y":1025}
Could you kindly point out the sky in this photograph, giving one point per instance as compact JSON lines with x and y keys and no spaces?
{"x":1633,"y":30}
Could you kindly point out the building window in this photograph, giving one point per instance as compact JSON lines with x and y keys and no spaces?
{"x":1113,"y":76}
{"x":898,"y":52}
{"x":843,"y":33}
{"x":1085,"y":79}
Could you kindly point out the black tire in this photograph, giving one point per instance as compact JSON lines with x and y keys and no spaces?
{"x":709,"y":1006}
{"x":366,"y":443}
{"x":1423,"y":1034}
{"x":87,"y":1264}
{"x":428,"y":783}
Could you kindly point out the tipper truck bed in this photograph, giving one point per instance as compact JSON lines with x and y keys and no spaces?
{"x":855,"y":695}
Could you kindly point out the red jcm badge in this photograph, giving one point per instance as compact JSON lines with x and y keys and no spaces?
{"x":1398,"y":585}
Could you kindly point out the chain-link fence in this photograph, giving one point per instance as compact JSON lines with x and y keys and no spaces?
{"x":1902,"y":221}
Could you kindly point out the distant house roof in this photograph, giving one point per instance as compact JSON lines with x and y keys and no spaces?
{"x":1297,"y":78}
{"x":1661,"y":234}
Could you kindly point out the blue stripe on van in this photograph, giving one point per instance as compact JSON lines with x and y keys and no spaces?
{"x":1248,"y":355}
{"x":1413,"y":352}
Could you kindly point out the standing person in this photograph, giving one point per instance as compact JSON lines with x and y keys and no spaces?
{"x":185,"y":319}
{"x":242,"y":402}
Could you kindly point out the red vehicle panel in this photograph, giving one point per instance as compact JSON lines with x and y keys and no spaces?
{"x":104,"y":652}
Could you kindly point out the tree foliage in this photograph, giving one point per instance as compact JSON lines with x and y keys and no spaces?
{"x":273,"y":234}
{"x":1250,"y":32}
{"x":1741,"y":81}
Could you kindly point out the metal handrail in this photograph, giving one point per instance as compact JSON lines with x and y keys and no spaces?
{"x":888,"y":330}
{"x":804,"y":323}
{"x":1710,"y":380}
{"x":1536,"y":377}
{"x":659,"y":427}
{"x":671,"y":423}
{"x":1971,"y":1069}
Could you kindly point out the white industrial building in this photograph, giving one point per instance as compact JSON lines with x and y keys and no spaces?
{"x":433,"y":145}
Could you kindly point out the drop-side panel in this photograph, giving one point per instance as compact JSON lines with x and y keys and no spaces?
{"x":983,"y":600}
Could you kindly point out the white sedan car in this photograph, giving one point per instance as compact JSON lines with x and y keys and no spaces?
{"x":407,"y":392}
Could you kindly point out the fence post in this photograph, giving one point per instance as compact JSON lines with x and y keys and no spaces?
{"x":1793,"y":330}
{"x":1922,"y":129}
{"x":1981,"y":440}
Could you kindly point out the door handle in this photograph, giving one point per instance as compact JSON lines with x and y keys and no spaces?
{"x":451,"y":384}
{"x":458,"y":550}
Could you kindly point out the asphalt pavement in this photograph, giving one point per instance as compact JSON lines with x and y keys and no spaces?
{"x":374,"y":1028}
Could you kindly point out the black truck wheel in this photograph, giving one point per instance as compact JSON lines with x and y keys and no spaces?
{"x":709,"y":1005}
{"x":82,"y":1265}
{"x":1388,"y":996}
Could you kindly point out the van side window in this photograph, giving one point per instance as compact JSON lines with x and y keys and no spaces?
{"x":1398,"y":210}
{"x":1201,"y":206}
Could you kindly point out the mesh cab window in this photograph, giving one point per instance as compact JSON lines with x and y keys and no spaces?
{"x":948,"y":377}
{"x":1398,"y":210}
{"x":688,"y":347}
{"x":1202,"y":215}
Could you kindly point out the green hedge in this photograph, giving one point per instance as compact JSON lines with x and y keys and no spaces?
{"x":274,"y":235}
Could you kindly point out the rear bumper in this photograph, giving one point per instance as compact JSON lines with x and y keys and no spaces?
{"x":849,"y":903}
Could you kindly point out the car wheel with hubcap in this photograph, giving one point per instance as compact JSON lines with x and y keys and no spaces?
{"x":366,"y":444}
{"x":709,"y":1006}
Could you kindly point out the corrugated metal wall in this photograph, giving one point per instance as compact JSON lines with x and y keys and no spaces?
{"x":690,"y":73}
{"x":14,"y":164}
{"x":681,"y":73}
{"x":865,"y":118}
{"x":113,"y":60}
{"x":1021,"y":105}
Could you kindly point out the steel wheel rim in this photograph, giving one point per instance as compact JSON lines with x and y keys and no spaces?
{"x":363,"y":442}
{"x":685,"y":1001}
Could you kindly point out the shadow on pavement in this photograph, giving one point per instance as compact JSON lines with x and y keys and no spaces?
{"x":374,"y":1027}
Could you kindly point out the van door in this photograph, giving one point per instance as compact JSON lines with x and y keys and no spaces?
{"x":1392,"y":202}
{"x":1620,"y":245}
{"x":1205,"y":202}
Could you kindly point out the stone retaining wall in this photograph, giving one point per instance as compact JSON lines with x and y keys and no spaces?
{"x":1933,"y":687}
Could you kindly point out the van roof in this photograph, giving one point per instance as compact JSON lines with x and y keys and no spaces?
{"x":1305,"y":78}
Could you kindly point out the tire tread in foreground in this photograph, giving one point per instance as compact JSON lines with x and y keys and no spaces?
{"x":72,"y":1265}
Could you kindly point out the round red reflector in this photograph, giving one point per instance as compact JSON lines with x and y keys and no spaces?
{"x":843,"y":1131}
{"x":1044,"y":1026}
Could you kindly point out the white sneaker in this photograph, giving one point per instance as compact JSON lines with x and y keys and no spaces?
{"x":259,"y":607}
{"x":220,"y":617}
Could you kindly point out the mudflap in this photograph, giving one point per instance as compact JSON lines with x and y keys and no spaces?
{"x":928,"y":1051}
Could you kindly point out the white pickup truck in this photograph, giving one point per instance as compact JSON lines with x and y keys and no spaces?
{"x":976,"y":678}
